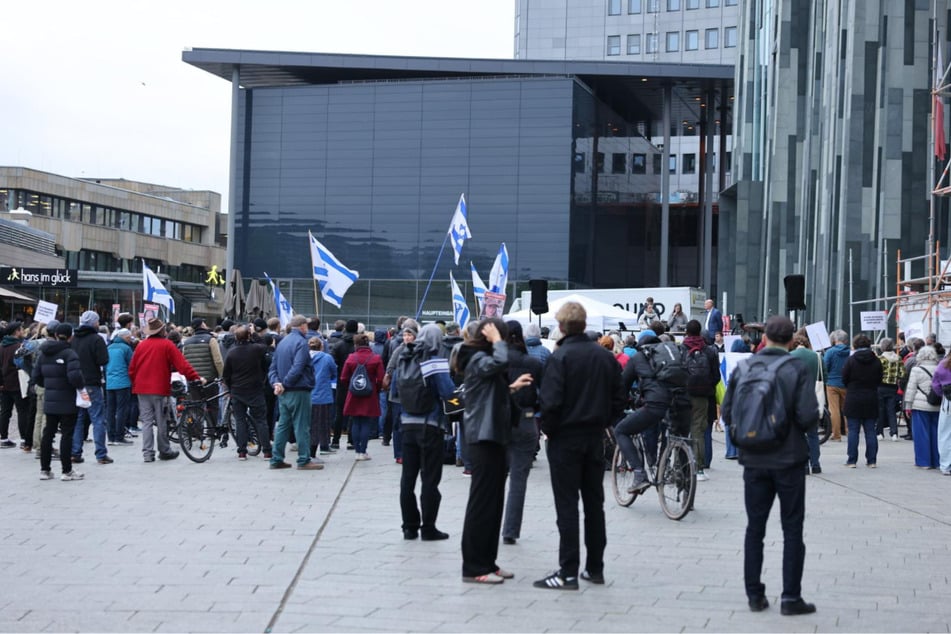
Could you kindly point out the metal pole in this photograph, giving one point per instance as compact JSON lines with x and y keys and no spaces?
{"x":665,"y":191}
{"x":851,"y":311}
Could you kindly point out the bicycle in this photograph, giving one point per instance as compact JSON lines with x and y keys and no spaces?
{"x":199,"y":433}
{"x":672,"y":470}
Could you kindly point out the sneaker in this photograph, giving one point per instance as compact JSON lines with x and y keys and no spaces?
{"x":871,"y":465}
{"x":881,"y":436}
{"x":123,"y":442}
{"x":555,"y":581}
{"x":796,"y":607}
{"x":294,"y":446}
{"x":311,"y":466}
{"x":467,"y":473}
{"x":280,"y":465}
{"x":6,"y":443}
{"x":326,"y":452}
{"x":702,"y":477}
{"x":242,"y":456}
{"x":266,"y":455}
{"x":171,"y":455}
{"x":148,"y":458}
{"x":105,"y":460}
{"x":72,"y":475}
{"x":111,"y":443}
{"x":509,"y":541}
{"x":894,"y":437}
{"x":386,"y":443}
{"x":349,"y":446}
{"x":816,"y":470}
{"x":595,"y":578}
{"x":850,"y":465}
{"x":459,"y":462}
{"x":399,"y":461}
{"x":335,"y":445}
{"x":947,"y":473}
{"x":78,"y":460}
{"x":641,"y":482}
{"x":46,"y":475}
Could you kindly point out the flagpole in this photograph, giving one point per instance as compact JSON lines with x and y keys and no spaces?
{"x":419,"y":311}
{"x":312,"y":265}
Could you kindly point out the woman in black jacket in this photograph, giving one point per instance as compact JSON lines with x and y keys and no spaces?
{"x":57,"y":370}
{"x":862,"y":374}
{"x":488,"y":429}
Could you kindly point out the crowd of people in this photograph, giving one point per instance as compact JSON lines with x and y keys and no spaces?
{"x":300,"y":386}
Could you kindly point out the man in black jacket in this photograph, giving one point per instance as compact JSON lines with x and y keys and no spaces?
{"x":340,"y":349}
{"x":581,"y":394}
{"x":244,"y":374}
{"x":93,"y":355}
{"x":778,"y":473}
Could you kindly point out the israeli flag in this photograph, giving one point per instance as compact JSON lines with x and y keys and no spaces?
{"x":459,"y":229}
{"x":499,"y":275}
{"x":478,"y":287}
{"x":332,"y":277}
{"x":284,"y":310}
{"x":460,"y":310}
{"x":154,"y":291}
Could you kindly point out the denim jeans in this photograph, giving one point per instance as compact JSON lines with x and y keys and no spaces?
{"x":95,"y":414}
{"x":731,"y":452}
{"x":360,"y":429}
{"x":761,"y":487}
{"x":812,"y":439}
{"x":642,"y":419}
{"x":118,"y":412}
{"x":871,"y":440}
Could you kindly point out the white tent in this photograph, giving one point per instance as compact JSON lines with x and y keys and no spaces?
{"x":601,"y":316}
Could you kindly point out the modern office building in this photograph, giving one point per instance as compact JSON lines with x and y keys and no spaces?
{"x":100,"y":231}
{"x":832,"y":153}
{"x":371,"y":153}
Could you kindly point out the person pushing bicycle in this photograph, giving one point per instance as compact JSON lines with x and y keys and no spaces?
{"x":656,"y":397}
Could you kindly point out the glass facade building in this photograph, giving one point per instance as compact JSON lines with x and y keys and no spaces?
{"x":371,"y":154}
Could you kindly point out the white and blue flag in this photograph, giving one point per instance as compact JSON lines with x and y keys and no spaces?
{"x":284,"y":310}
{"x":499,"y":275}
{"x":332,"y":277}
{"x":154,"y":291}
{"x":478,"y":287}
{"x":460,"y":310}
{"x":459,"y":229}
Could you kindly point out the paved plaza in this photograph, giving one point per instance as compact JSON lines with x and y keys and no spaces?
{"x":231,"y":546}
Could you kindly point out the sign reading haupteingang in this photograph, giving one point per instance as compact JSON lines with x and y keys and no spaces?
{"x":46,"y":278}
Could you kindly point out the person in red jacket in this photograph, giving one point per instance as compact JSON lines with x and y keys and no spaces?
{"x":151,"y":373}
{"x":363,"y":403}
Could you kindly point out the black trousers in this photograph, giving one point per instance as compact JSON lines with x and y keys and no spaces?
{"x":8,"y":401}
{"x":422,"y":457}
{"x":483,"y":521}
{"x":66,"y":423}
{"x":761,"y":486}
{"x":576,"y":463}
{"x":250,"y":409}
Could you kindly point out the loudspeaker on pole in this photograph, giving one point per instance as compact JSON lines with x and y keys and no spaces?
{"x":539,"y":289}
{"x":795,"y":291}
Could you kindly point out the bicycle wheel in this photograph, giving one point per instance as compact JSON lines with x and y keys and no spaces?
{"x":622,"y":477}
{"x":171,"y":425}
{"x":254,"y":446}
{"x":196,"y":434}
{"x":825,"y":426}
{"x":677,"y":481}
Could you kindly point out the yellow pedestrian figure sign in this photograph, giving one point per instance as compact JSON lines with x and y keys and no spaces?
{"x":214,"y":277}
{"x":14,"y":275}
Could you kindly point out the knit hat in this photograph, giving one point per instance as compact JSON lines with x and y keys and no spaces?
{"x":260,"y":324}
{"x":646,"y":333}
{"x":352,"y":326}
{"x":89,"y":318}
{"x":197,"y":323}
{"x":64,"y":330}
{"x":122,"y":332}
{"x":51,"y":326}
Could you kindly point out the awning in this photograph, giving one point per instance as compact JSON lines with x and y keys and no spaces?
{"x":6,"y":293}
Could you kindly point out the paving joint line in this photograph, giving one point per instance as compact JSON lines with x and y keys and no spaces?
{"x":303,"y":564}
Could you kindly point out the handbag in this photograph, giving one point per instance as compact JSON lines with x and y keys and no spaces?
{"x":455,"y":404}
{"x":821,"y":387}
{"x":82,"y":399}
{"x":931,"y":396}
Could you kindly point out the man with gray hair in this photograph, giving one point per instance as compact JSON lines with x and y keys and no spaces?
{"x":834,"y":360}
{"x":292,"y":378}
{"x":533,"y":343}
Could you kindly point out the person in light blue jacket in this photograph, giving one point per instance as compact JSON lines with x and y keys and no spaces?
{"x":321,"y":398}
{"x":834,"y":360}
{"x":119,"y":388}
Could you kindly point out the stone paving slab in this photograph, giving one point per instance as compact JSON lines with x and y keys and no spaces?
{"x":233,"y":546}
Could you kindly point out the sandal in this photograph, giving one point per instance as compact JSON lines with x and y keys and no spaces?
{"x":490,"y":578}
{"x":505,"y":574}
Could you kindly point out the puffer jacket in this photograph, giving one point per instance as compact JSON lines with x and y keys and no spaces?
{"x":488,"y":414}
{"x":117,"y":369}
{"x":8,"y":347}
{"x":919,"y":382}
{"x":57,"y":369}
{"x":92,"y":354}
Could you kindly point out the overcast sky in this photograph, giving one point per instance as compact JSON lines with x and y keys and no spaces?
{"x":99,"y":88}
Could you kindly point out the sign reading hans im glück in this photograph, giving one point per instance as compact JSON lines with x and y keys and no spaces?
{"x":46,"y":278}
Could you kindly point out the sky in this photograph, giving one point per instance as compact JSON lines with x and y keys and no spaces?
{"x":98,"y":89}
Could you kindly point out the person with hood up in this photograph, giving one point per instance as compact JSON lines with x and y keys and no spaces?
{"x":861,"y":375}
{"x":10,"y":395}
{"x":534,"y":345}
{"x":893,"y":374}
{"x":422,"y":444}
{"x":93,"y":355}
{"x":924,"y":416}
{"x":834,"y":360}
{"x":59,"y":372}
{"x":119,"y":388}
{"x":363,"y":411}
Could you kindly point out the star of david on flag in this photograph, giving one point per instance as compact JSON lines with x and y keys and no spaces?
{"x":478,"y":287}
{"x":284,"y":310}
{"x":460,"y":311}
{"x":154,"y":290}
{"x":459,"y":228}
{"x":332,"y":277}
{"x":499,"y":275}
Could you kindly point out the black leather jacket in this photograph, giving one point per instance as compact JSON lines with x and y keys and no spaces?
{"x":488,"y":416}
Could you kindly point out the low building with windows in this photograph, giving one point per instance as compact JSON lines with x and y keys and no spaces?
{"x":103,"y":229}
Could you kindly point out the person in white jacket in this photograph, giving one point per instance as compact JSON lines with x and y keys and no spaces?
{"x":924,"y":416}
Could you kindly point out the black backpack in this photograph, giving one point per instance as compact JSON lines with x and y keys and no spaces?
{"x":758,"y":417}
{"x":699,"y":380}
{"x":416,"y":397}
{"x":360,"y":383}
{"x":666,"y":361}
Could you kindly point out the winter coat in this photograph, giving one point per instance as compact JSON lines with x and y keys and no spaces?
{"x":488,"y":413}
{"x":893,"y":370}
{"x":92,"y":352}
{"x":862,"y":374}
{"x":8,"y":347}
{"x":639,"y":369}
{"x":117,"y":368}
{"x":245,"y":368}
{"x":152,"y":363}
{"x":537,"y":349}
{"x":834,"y":361}
{"x":203,"y":352}
{"x":919,"y":382}
{"x":942,"y":377}
{"x":325,"y":377}
{"x":290,"y":365}
{"x":57,"y":369}
{"x":526,"y":398}
{"x":362,"y":405}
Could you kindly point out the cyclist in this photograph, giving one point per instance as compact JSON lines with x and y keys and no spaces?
{"x":656,"y":398}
